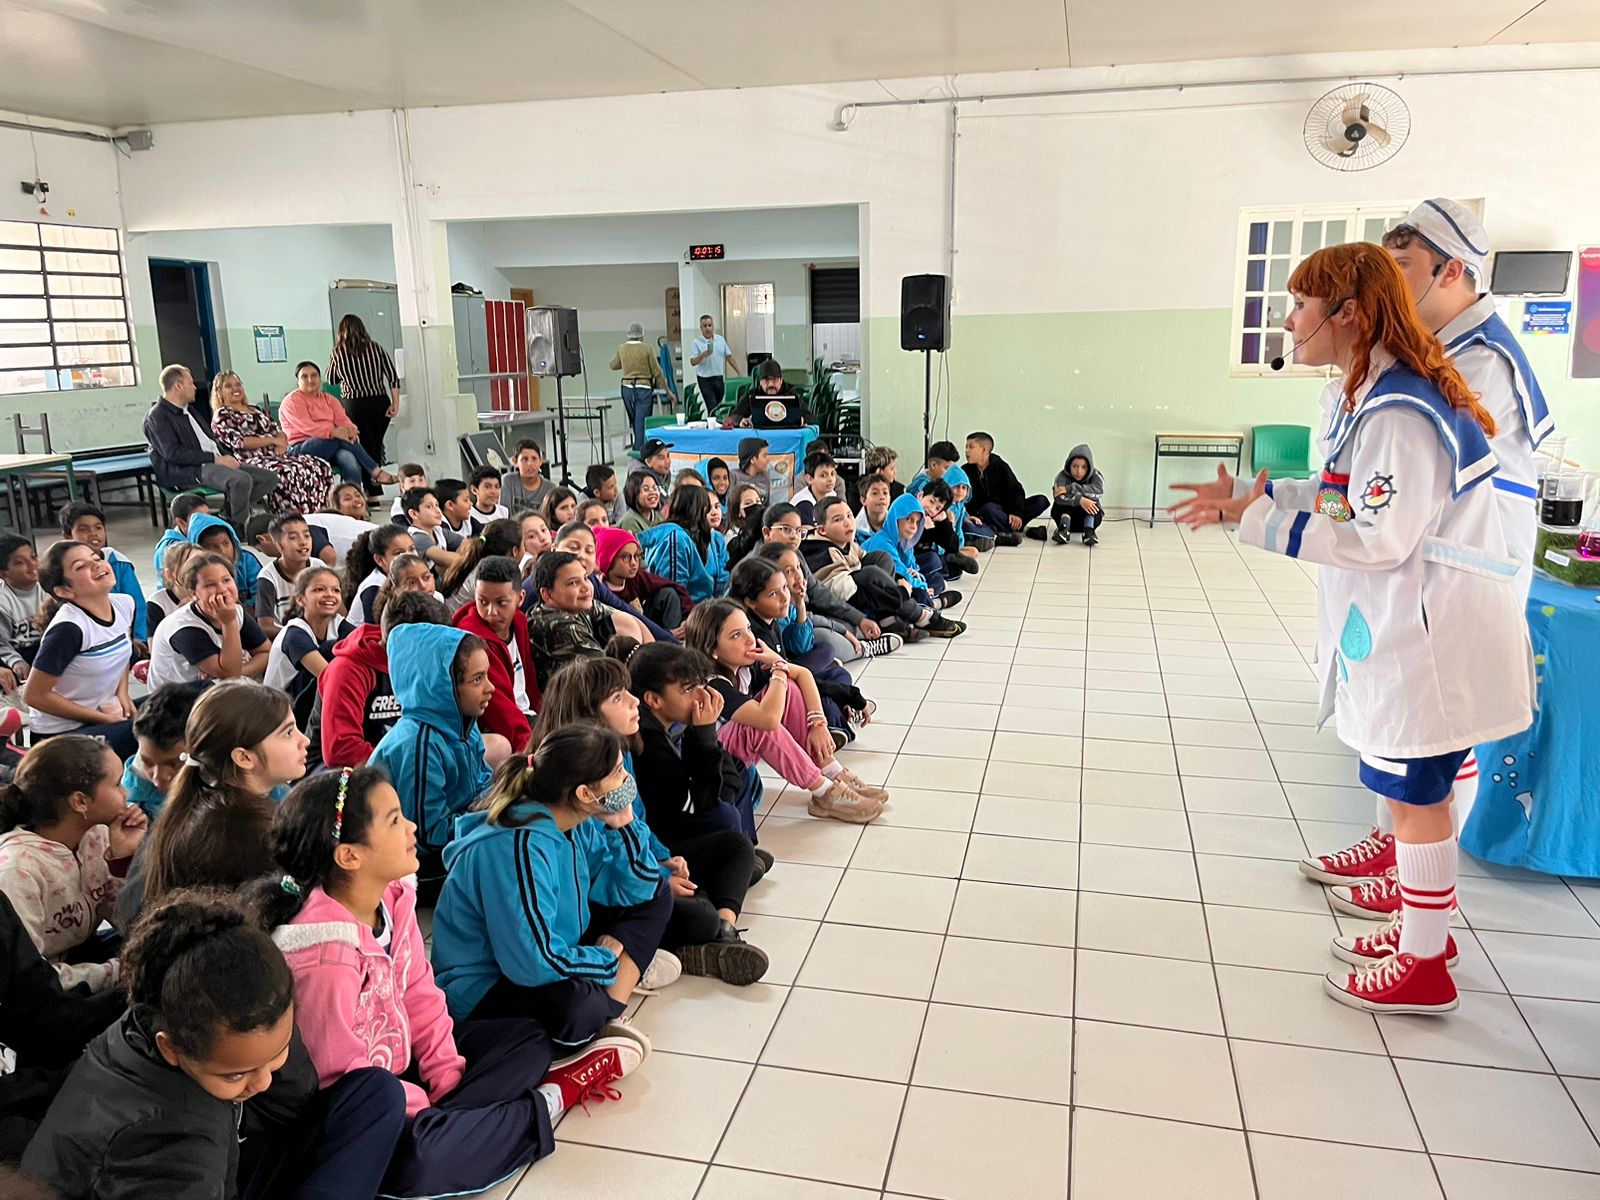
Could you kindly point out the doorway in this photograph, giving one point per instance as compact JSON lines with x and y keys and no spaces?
{"x":748,"y":322}
{"x":186,"y":323}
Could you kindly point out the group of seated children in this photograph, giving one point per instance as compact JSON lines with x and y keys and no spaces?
{"x":578,"y":803}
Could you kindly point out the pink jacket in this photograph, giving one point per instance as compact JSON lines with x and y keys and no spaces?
{"x":304,"y":416}
{"x":62,"y":897}
{"x":359,"y":1007}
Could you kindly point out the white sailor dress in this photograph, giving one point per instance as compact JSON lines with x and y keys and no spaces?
{"x":1487,"y":354}
{"x":1421,"y":642}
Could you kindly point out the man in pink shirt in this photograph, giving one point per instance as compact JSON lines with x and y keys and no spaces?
{"x":315,"y":423}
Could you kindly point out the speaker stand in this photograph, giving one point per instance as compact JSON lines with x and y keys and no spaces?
{"x":561,"y":435}
{"x":927,"y":403}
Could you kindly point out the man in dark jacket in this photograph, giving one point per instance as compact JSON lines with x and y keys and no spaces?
{"x":46,"y":1028}
{"x":998,"y":499}
{"x":184,"y":454}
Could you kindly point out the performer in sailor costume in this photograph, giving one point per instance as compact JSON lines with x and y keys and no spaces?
{"x":1443,"y":251}
{"x":1421,"y":642}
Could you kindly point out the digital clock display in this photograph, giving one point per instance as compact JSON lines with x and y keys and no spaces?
{"x":702,"y":253}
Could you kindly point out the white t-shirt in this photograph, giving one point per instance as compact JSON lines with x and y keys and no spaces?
{"x":342,"y":531}
{"x":713,"y":364}
{"x":519,"y":677}
{"x":86,"y":656}
{"x":207,"y":442}
{"x":186,"y":639}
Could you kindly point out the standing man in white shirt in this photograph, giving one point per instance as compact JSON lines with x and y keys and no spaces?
{"x":710,"y":357}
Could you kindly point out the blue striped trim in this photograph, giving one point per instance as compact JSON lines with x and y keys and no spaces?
{"x":562,"y":965}
{"x":120,"y":642}
{"x":1451,"y":221}
{"x":1296,"y":532}
{"x":1516,"y":489}
{"x":1269,"y":489}
{"x":1274,"y":523}
{"x":1439,"y":552}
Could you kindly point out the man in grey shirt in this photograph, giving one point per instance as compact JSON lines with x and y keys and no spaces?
{"x":709,"y":355}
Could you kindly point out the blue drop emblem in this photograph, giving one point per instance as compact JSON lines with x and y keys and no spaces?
{"x":1356,"y":640}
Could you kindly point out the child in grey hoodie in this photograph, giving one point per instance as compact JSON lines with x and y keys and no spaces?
{"x":1078,"y":490}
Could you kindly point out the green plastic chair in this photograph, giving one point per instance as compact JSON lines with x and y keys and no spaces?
{"x":1283,"y":451}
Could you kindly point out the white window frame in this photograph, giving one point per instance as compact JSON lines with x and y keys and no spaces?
{"x":1354,"y":215}
{"x":46,"y":354}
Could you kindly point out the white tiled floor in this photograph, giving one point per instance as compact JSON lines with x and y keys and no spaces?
{"x":1074,"y":958}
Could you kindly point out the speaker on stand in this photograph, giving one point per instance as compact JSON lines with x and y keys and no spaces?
{"x":925,"y":326}
{"x":554,"y":352}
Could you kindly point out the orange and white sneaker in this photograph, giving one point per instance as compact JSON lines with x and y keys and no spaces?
{"x":1400,"y":983}
{"x":1371,"y":856}
{"x":1375,"y":899}
{"x":1365,"y":949}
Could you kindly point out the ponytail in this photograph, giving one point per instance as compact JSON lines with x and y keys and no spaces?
{"x":361,"y":559}
{"x":526,"y":784}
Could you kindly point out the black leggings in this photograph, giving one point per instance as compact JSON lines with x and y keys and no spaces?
{"x":1076,"y":519}
{"x":370,"y":415}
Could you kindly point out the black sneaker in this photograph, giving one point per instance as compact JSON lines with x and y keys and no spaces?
{"x":1061,"y":536}
{"x":730,"y":958}
{"x":1090,"y":537}
{"x":1008,"y":538}
{"x":980,"y":543}
{"x":841,"y":737}
{"x":949,"y":598}
{"x":1036,"y":532}
{"x":764,"y":861}
{"x":884,"y":643}
{"x":960,"y":564}
{"x":944,"y":627}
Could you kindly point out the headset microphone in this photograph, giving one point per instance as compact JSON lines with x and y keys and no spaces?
{"x":1280,"y":362}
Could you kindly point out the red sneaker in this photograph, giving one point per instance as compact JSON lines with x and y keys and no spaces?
{"x":1401,"y":983}
{"x":1365,"y":949}
{"x":588,"y":1075}
{"x":11,"y":721}
{"x":1372,"y":855}
{"x":1374,"y":899}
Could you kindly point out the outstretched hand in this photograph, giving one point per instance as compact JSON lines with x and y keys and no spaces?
{"x":1220,"y":488}
{"x":1207,"y":508}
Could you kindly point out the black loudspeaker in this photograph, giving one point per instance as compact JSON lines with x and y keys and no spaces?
{"x":924,"y":312}
{"x":553,"y":341}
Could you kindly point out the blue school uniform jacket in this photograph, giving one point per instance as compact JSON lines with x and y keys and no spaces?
{"x":516,"y":902}
{"x":246,"y":566}
{"x":433,"y":755}
{"x":127,"y":584}
{"x":670,"y":551}
{"x":888,"y":539}
{"x":955,"y":476}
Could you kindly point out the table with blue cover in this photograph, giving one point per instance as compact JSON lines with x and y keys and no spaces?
{"x":786,"y":447}
{"x":1538,"y":800}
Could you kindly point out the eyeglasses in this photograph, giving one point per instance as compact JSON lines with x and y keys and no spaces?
{"x":629,"y":556}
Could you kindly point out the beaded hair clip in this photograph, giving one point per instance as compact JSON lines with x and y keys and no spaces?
{"x":338,"y":807}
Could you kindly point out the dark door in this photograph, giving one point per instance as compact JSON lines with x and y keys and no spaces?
{"x":185,"y":320}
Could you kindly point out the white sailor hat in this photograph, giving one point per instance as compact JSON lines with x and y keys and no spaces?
{"x":1452,"y":230}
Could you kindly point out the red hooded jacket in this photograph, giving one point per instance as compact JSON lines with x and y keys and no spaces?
{"x":503,"y":716}
{"x":355,"y":699}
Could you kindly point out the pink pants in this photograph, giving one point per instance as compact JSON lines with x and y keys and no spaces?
{"x":783,"y":749}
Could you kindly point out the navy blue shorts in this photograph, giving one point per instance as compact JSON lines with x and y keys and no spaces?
{"x":1419,"y":781}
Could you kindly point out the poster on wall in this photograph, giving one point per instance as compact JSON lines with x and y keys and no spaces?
{"x":271,"y":346}
{"x":1547,"y":317}
{"x":1586,"y":346}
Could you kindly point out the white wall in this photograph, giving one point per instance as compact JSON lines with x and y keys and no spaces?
{"x":608,"y":297}
{"x":473,"y":262}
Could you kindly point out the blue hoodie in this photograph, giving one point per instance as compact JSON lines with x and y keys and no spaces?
{"x":954,"y":475}
{"x":246,"y":566}
{"x":516,"y":902}
{"x":669,"y":551}
{"x":433,"y":755}
{"x":127,"y":584}
{"x":888,"y":539}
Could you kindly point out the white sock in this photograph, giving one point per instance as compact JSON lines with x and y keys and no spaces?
{"x":924,"y":617}
{"x":831,"y":771}
{"x":822,"y":787}
{"x":1427,"y":895}
{"x":551,"y":1095}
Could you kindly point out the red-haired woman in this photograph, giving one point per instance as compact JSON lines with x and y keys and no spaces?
{"x":1421,"y":642}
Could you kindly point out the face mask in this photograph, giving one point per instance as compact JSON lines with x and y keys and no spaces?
{"x":618,"y":799}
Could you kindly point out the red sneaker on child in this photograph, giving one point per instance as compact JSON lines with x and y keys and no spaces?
{"x":1365,"y":949}
{"x":1372,"y":855}
{"x":588,"y":1075}
{"x":1401,"y":983}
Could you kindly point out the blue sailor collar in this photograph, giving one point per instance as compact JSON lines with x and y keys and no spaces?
{"x":1463,"y":438}
{"x":1481,"y":325}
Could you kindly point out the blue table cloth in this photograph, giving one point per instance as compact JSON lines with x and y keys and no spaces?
{"x":1538,"y":800}
{"x":786,"y":447}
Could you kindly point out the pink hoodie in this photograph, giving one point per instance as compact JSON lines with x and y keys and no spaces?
{"x":359,"y":1007}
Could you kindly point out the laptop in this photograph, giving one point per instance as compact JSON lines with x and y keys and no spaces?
{"x":775,"y":412}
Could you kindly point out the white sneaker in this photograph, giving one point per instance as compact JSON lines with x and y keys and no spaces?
{"x":663,"y":971}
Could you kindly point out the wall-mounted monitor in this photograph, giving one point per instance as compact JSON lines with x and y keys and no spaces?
{"x":1531,"y":272}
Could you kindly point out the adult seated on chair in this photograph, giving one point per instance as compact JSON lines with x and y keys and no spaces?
{"x":317,"y":424}
{"x":769,"y":382}
{"x":184,"y":454}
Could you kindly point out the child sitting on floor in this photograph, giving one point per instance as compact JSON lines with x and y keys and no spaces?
{"x":185,"y":505}
{"x":875,"y":499}
{"x":313,"y":626}
{"x":1078,"y":491}
{"x":566,"y":623}
{"x":215,"y":535}
{"x":291,"y":537}
{"x":160,"y":726}
{"x":897,"y":540}
{"x":412,"y":475}
{"x":822,"y":480}
{"x":486,"y":506}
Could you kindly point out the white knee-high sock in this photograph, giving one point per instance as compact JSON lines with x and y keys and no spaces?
{"x":1464,"y":793}
{"x":1427,"y":895}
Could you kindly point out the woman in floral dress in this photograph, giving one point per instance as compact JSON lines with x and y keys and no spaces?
{"x":256,"y":439}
